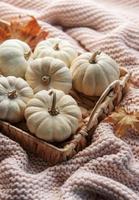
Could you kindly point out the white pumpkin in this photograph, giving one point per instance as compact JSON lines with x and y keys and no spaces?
{"x":46,"y":73}
{"x":14,"y":55}
{"x":14,"y":95}
{"x":92,"y":73}
{"x":57,"y":48}
{"x":52,"y":115}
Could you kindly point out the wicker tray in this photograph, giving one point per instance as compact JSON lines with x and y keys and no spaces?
{"x":54,"y":153}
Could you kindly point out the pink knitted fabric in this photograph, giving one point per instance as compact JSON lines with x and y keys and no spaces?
{"x":108,"y":169}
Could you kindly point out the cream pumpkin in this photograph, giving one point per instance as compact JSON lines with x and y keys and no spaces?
{"x":52,"y":115}
{"x":57,"y":48}
{"x":46,"y":73}
{"x":14,"y":95}
{"x":14,"y":55}
{"x":92,"y":73}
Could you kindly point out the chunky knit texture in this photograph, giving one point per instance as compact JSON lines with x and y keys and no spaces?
{"x":108,"y":169}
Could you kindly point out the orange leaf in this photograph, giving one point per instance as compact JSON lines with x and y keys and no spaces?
{"x":23,"y":28}
{"x":4,"y":30}
{"x":4,"y":35}
{"x":32,"y":27}
{"x":123,"y":121}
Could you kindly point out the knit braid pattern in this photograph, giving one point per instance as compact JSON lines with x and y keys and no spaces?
{"x":108,"y":169}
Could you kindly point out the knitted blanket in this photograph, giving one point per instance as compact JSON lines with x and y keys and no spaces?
{"x":108,"y":169}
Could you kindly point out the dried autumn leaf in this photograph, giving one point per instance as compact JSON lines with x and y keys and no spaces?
{"x":4,"y":30}
{"x":123,"y":121}
{"x":23,"y":28}
{"x":32,"y":27}
{"x":3,"y":34}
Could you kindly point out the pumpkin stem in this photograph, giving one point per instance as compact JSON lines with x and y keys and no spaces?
{"x":92,"y":60}
{"x":45,"y":79}
{"x":56,"y":47}
{"x":12,"y":94}
{"x":27,"y":55}
{"x":53,"y":111}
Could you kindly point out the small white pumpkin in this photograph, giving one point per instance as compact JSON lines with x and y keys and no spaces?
{"x":14,"y":95}
{"x":57,"y":48}
{"x":92,"y":73}
{"x":46,"y":73}
{"x":14,"y":55}
{"x":52,"y":115}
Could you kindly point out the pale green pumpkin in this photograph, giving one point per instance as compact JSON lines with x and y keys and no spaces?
{"x":14,"y":55}
{"x":93,"y":72}
{"x":46,"y":73}
{"x":52,"y":115}
{"x":56,"y":48}
{"x":14,"y":95}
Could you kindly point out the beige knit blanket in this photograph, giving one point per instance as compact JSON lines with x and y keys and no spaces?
{"x":108,"y":169}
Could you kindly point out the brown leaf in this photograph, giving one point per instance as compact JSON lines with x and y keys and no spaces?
{"x":23,"y":28}
{"x":4,"y":35}
{"x":4,"y":30}
{"x":123,"y":121}
{"x":32,"y":27}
